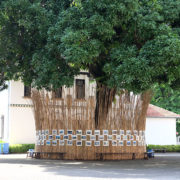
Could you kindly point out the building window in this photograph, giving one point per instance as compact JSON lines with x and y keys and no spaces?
{"x":27,"y":91}
{"x":80,"y":88}
{"x":58,"y":93}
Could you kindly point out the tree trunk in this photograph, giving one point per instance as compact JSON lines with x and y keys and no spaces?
{"x":104,"y":99}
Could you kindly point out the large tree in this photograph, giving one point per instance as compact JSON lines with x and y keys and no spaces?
{"x":124,"y":44}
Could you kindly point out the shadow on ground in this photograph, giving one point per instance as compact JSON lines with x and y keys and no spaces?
{"x":163,"y":166}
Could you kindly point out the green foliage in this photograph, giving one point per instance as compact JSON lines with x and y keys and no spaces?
{"x":169,"y":148}
{"x":167,"y":98}
{"x":2,"y":141}
{"x":20,"y":148}
{"x":124,"y":44}
{"x":24,"y":26}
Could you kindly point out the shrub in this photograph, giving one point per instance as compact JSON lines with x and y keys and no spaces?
{"x":169,"y":148}
{"x":2,"y":141}
{"x":20,"y":148}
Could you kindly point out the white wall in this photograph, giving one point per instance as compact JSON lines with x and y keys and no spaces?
{"x":4,"y":111}
{"x":161,"y":131}
{"x":22,"y":124}
{"x":17,"y":93}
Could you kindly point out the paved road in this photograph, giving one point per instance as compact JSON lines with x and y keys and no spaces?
{"x":16,"y":167}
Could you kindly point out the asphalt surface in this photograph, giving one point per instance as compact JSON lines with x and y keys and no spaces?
{"x":163,"y":167}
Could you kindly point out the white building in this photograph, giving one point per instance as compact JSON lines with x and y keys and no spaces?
{"x":19,"y":124}
{"x":160,"y":126}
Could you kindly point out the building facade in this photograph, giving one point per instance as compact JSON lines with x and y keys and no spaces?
{"x":18,"y":125}
{"x":160,"y":126}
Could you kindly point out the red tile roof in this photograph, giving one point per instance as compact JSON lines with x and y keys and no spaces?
{"x":155,"y":111}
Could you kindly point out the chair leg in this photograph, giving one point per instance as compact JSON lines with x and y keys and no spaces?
{"x":133,"y":156}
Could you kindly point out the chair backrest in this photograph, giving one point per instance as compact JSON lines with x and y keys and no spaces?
{"x":31,"y":150}
{"x":6,"y":148}
{"x":150,"y":150}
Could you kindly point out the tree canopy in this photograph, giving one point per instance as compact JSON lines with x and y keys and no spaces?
{"x":167,"y":98}
{"x":124,"y":44}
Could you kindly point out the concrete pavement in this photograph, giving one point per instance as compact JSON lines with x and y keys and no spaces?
{"x":163,"y":167}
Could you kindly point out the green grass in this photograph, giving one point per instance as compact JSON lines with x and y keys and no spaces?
{"x":20,"y":148}
{"x":169,"y":148}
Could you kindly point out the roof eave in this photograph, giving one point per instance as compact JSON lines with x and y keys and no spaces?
{"x":161,"y":117}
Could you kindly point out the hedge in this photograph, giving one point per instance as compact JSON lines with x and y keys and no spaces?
{"x":169,"y":148}
{"x":20,"y":148}
{"x":23,"y":148}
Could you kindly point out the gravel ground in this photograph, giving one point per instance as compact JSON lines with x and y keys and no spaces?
{"x":163,"y":167}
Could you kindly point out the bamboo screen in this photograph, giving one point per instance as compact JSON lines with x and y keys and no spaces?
{"x":67,"y":125}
